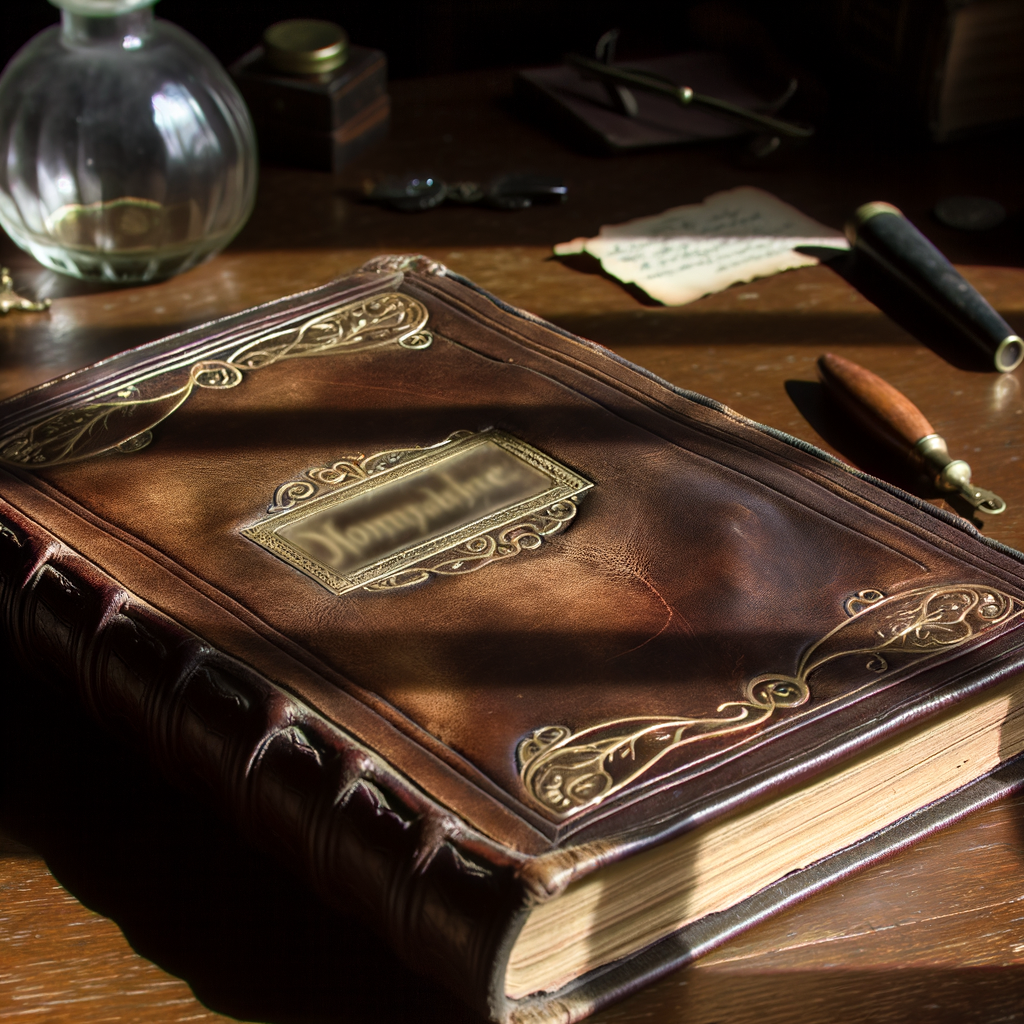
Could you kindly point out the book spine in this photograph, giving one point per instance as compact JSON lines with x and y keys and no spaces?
{"x":442,"y":895}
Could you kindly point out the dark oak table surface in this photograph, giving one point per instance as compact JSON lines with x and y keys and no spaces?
{"x":121,"y":900}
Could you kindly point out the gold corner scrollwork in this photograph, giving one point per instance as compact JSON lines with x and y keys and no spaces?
{"x":123,"y":419}
{"x":565,"y":771}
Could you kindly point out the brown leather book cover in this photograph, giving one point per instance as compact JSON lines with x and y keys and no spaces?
{"x":460,"y":611}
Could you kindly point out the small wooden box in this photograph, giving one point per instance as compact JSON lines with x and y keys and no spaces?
{"x":316,"y":121}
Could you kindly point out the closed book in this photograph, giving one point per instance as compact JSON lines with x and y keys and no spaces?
{"x":556,"y":674}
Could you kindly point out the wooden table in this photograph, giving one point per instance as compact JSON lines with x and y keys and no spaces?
{"x":122,"y":901}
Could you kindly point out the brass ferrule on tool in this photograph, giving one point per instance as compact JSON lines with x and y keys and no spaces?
{"x":893,"y":419}
{"x":955,"y":475}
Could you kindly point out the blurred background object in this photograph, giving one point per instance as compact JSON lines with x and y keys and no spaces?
{"x":126,"y":153}
{"x":420,"y":38}
{"x":969,"y":213}
{"x":930,"y":68}
{"x":317,"y":101}
{"x":414,"y":193}
{"x":933,"y":69}
{"x":642,"y":109}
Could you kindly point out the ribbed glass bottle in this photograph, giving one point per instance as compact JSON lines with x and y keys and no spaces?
{"x":126,"y":152}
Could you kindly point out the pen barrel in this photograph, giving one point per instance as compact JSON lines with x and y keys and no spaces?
{"x":883,"y":233}
{"x":882,"y":411}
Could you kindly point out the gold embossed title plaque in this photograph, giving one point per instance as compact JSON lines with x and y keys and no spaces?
{"x":397,"y":518}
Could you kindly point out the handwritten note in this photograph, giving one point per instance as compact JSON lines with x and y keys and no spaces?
{"x":690,"y":251}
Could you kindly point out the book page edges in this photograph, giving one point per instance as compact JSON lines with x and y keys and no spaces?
{"x":684,"y":879}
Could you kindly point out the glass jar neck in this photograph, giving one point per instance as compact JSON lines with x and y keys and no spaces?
{"x":128,"y":31}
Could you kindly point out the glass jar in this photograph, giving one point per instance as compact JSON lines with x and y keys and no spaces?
{"x":126,"y":152}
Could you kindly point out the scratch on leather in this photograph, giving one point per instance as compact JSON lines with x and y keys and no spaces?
{"x":637,"y":574}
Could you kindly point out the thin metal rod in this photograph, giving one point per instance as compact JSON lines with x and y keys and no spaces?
{"x":684,"y":95}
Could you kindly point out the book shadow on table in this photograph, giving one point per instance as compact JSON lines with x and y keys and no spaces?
{"x":584,"y":263}
{"x":828,"y":993}
{"x":251,"y":940}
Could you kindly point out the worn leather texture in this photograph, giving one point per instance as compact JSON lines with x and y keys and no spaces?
{"x":763,"y":612}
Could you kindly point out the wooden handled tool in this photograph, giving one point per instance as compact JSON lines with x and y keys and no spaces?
{"x":892,"y":418}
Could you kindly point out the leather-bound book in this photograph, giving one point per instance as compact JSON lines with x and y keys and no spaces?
{"x":556,"y":674}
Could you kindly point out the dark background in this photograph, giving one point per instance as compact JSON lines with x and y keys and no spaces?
{"x":867,"y":70}
{"x":419,"y":36}
{"x":423,"y":37}
{"x":769,"y":41}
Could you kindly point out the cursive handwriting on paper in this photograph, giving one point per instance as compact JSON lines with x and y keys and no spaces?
{"x":689,"y":251}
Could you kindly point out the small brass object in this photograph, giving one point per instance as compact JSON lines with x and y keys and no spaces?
{"x":305,"y":46}
{"x":11,"y":300}
{"x":955,"y":475}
